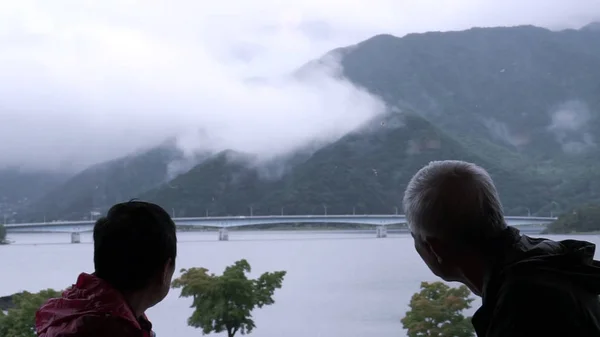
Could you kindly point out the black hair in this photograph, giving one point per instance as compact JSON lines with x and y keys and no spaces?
{"x":132,"y":244}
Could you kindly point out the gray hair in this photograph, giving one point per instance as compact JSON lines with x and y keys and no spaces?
{"x":455,"y":201}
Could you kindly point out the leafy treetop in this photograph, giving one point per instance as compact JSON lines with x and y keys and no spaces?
{"x":225,"y":302}
{"x":19,"y":321}
{"x":437,"y":311}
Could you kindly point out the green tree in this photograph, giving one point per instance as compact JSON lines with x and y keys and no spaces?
{"x":2,"y":234}
{"x":585,"y":218}
{"x":225,"y":302}
{"x":437,"y":311}
{"x":19,"y":321}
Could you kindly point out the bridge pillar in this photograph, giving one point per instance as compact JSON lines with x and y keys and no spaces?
{"x":223,"y":234}
{"x":381,"y":231}
{"x":75,"y":237}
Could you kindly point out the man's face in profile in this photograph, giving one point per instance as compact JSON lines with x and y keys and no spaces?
{"x":160,"y":288}
{"x":432,"y":259}
{"x":168,"y":278}
{"x":428,"y":256}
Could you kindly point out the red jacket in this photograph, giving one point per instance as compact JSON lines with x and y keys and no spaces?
{"x":90,"y":308}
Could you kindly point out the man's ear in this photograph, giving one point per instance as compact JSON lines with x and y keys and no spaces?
{"x":436,"y":247}
{"x":168,"y":271}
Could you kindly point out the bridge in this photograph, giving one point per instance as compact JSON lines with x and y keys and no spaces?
{"x":380,"y":222}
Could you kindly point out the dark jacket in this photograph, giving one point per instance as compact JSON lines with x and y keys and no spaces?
{"x":540,"y":288}
{"x":90,"y":308}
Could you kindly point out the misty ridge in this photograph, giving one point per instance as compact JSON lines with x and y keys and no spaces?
{"x":568,"y":124}
{"x":268,"y":118}
{"x":351,"y":127}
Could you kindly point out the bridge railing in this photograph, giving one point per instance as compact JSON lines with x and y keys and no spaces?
{"x":380,"y":222}
{"x":326,"y":218}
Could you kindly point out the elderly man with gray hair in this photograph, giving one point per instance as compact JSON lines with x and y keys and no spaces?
{"x":529,"y":286}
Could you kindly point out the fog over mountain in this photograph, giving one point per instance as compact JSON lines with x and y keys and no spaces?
{"x":85,"y":82}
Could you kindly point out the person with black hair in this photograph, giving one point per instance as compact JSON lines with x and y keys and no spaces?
{"x":135,"y":247}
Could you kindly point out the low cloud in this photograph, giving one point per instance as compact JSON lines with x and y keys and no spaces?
{"x":569,"y":124}
{"x":87,"y":81}
{"x":502,"y":132}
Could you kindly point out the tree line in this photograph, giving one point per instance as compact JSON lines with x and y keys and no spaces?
{"x":2,"y":234}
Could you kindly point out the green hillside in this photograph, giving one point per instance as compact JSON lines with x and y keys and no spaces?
{"x":100,"y":186}
{"x":492,"y":84}
{"x":523,"y":102}
{"x":366,"y":172}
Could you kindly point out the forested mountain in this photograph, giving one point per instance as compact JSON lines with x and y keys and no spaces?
{"x":528,"y":89}
{"x":594,"y":26}
{"x":98,"y":187}
{"x":365,"y":172}
{"x":20,"y":188}
{"x":523,"y":102}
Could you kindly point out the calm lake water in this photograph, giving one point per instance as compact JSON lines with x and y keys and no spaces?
{"x":338,"y":283}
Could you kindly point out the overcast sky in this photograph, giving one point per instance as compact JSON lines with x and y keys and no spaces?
{"x":83,"y":81}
